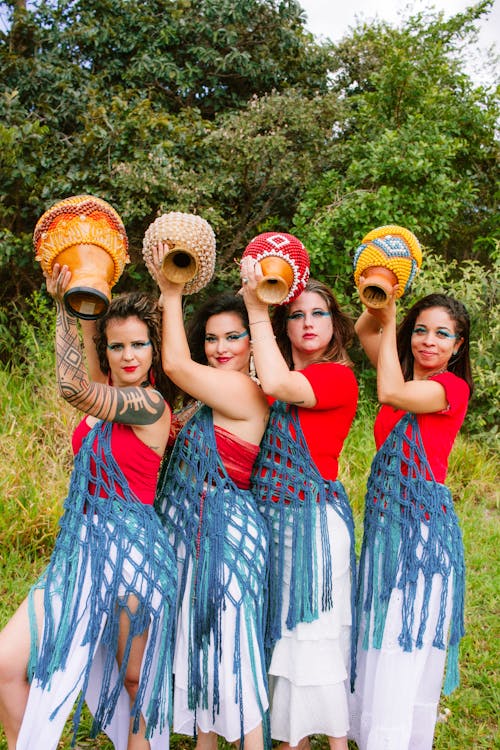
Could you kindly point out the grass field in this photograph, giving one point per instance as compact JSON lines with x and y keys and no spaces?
{"x":35,"y":464}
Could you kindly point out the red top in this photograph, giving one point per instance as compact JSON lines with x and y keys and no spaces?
{"x":237,"y":455}
{"x":438,"y":429}
{"x":325,"y":426}
{"x":139,"y":463}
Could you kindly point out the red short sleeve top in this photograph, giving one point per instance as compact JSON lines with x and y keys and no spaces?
{"x":438,"y":429}
{"x":326,"y":425}
{"x":138,"y":462}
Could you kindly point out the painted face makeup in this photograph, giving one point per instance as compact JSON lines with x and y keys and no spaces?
{"x":433,"y":342}
{"x":129,"y":351}
{"x":310,"y":325}
{"x":227,"y":343}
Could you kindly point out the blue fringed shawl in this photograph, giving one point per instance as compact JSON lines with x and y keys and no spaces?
{"x":211,"y":523}
{"x":290,"y":492}
{"x":105,"y":536}
{"x":411,"y":531}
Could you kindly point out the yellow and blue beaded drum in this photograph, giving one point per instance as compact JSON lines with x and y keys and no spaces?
{"x":190,"y":259}
{"x":387,"y":256}
{"x":86,"y":234}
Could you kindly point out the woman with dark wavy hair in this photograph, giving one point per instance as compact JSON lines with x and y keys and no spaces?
{"x":411,"y":578}
{"x":215,"y":526}
{"x":302,"y":364}
{"x":98,"y":624}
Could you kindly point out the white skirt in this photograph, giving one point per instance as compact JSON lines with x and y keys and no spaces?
{"x":49,"y":707}
{"x":226,"y":722}
{"x":395,"y":702}
{"x":309,"y":672}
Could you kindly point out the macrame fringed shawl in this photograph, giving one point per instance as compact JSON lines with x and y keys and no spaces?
{"x":290,"y":492}
{"x":118,"y":545}
{"x":211,"y":523}
{"x":411,"y":531}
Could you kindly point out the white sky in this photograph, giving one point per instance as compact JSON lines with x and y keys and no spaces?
{"x":333,"y":18}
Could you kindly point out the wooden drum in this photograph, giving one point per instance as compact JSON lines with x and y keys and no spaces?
{"x":190,"y":259}
{"x":86,"y":234}
{"x":285,"y":264}
{"x":388,"y":255}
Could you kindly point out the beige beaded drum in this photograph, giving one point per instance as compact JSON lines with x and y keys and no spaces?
{"x":86,"y":234}
{"x":190,"y":259}
{"x":388,"y":255}
{"x":285,"y":264}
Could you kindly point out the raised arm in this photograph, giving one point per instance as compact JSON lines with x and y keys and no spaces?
{"x":88,"y":329}
{"x":417,"y":396}
{"x":131,"y":405}
{"x":231,"y":393}
{"x":368,"y":329}
{"x":276,"y":378}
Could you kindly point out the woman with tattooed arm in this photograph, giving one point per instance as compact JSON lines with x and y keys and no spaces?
{"x":97,"y":625}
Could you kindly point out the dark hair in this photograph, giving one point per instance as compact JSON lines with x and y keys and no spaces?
{"x":227,"y":302}
{"x":145,"y":307}
{"x":343,"y":327}
{"x":459,"y":363}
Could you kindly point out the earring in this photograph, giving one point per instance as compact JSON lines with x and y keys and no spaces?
{"x":251,"y":369}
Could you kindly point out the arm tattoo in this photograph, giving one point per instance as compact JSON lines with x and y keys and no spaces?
{"x":132,"y":405}
{"x":138,"y":406}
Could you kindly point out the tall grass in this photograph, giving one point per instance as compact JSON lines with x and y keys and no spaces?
{"x":35,"y":464}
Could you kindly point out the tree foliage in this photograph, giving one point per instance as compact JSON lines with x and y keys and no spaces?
{"x":230,"y":109}
{"x":418,"y":148}
{"x":118,"y":98}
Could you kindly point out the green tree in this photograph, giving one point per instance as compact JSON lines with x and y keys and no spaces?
{"x":419,"y":147}
{"x":118,"y":98}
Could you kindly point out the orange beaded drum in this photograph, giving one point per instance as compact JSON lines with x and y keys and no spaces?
{"x":191,"y":241}
{"x":86,"y":234}
{"x":388,"y":255}
{"x":285,"y":264}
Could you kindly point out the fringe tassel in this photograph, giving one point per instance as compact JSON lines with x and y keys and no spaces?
{"x":213,"y":527}
{"x":104,"y":532}
{"x":291,"y":491}
{"x":411,"y":534}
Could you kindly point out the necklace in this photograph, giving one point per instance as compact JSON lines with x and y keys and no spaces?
{"x":439,"y":372}
{"x":431,"y":375}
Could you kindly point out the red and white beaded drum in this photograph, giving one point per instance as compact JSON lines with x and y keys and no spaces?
{"x":387,"y":256}
{"x":86,"y":234}
{"x":191,"y":256}
{"x":285,"y":264}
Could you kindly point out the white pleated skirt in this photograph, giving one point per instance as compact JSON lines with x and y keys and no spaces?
{"x":309,"y":671}
{"x":395,"y":702}
{"x":49,"y":707}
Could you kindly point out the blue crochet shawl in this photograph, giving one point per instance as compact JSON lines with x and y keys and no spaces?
{"x":411,"y":532}
{"x":290,"y":492}
{"x":104,"y":535}
{"x":211,"y":523}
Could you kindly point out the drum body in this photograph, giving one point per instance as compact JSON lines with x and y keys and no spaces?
{"x":387,"y":256}
{"x":87,"y":235}
{"x":191,"y":246}
{"x":285,"y":264}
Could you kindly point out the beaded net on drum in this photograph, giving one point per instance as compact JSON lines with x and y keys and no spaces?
{"x":288,"y":248}
{"x":219,"y":537}
{"x":184,"y":232}
{"x":81,"y":220}
{"x":411,"y":535}
{"x":392,"y":247}
{"x":108,"y":537}
{"x":290,"y":492}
